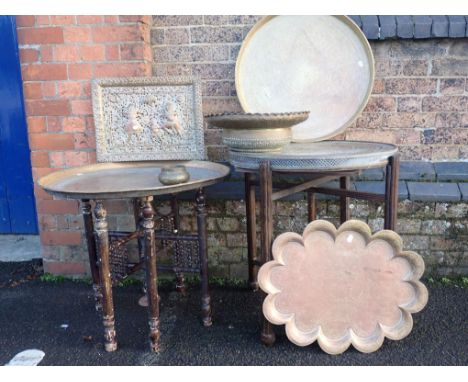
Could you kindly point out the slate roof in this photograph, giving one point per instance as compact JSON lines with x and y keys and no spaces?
{"x":412,"y":27}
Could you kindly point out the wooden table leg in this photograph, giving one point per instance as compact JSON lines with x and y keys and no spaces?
{"x":180,"y":281}
{"x":102,"y":246}
{"x":203,"y":252}
{"x":311,"y":206}
{"x":391,"y":192}
{"x":251,"y":230}
{"x":266,"y":217}
{"x":137,"y":213}
{"x":344,"y":201}
{"x":147,"y":227}
{"x":92,"y":252}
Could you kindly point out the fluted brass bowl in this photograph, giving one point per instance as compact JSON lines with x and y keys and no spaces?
{"x":257,"y":132}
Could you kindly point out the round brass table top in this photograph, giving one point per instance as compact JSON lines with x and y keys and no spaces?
{"x":318,"y":157}
{"x":323,"y":64}
{"x":128,"y":179}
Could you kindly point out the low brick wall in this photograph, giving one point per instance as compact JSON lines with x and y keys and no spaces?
{"x":436,"y":230}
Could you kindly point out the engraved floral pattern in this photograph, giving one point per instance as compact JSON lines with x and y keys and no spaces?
{"x":342,"y":287}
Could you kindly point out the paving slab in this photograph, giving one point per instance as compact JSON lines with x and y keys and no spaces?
{"x":19,"y":247}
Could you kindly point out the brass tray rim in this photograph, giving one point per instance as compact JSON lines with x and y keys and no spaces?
{"x":280,"y":161}
{"x":346,"y":20}
{"x":252,"y":121}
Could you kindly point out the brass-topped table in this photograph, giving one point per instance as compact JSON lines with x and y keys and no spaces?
{"x":321,"y":162}
{"x":138,"y":181}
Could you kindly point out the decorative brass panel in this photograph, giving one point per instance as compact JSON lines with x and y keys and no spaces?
{"x":156,"y":118}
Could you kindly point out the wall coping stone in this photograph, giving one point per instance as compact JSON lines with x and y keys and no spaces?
{"x":379,"y":188}
{"x":434,"y":192}
{"x":451,"y":171}
{"x":417,"y":170}
{"x":412,"y":27}
{"x":417,"y":183}
{"x":464,"y":191}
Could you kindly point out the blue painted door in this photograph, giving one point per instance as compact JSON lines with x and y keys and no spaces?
{"x":17,"y":208}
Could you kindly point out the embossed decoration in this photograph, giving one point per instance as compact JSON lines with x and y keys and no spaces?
{"x":342,"y":287}
{"x":148,"y":119}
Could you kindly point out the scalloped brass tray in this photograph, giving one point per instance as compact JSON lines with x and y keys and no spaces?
{"x":319,"y":63}
{"x":342,"y":287}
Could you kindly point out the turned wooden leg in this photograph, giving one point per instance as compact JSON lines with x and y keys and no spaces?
{"x":251,"y":230}
{"x":203,"y":253}
{"x":344,"y":201}
{"x":266,"y":216}
{"x":92,"y":252}
{"x":102,"y":246}
{"x":311,"y":206}
{"x":138,"y":214}
{"x":180,"y":280}
{"x":391,"y":192}
{"x":147,"y":227}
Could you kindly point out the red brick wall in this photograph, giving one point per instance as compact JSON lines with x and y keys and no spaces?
{"x":60,"y":55}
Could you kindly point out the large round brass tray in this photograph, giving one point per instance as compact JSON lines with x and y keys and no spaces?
{"x":319,"y":63}
{"x":127,"y":179}
{"x":319,"y":156}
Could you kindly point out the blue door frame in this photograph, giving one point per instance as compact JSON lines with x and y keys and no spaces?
{"x":17,"y":207}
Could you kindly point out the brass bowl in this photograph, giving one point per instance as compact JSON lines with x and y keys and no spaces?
{"x":257,"y":132}
{"x":171,"y":175}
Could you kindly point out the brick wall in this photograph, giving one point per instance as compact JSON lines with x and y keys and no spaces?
{"x":438,"y":231}
{"x":419,"y":101}
{"x":59,"y":56}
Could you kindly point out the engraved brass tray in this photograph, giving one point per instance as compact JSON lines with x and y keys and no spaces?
{"x":128,"y":179}
{"x":319,"y":63}
{"x":319,"y":156}
{"x":256,"y":132}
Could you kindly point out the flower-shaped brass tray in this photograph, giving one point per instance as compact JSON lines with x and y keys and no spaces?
{"x":342,"y":287}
